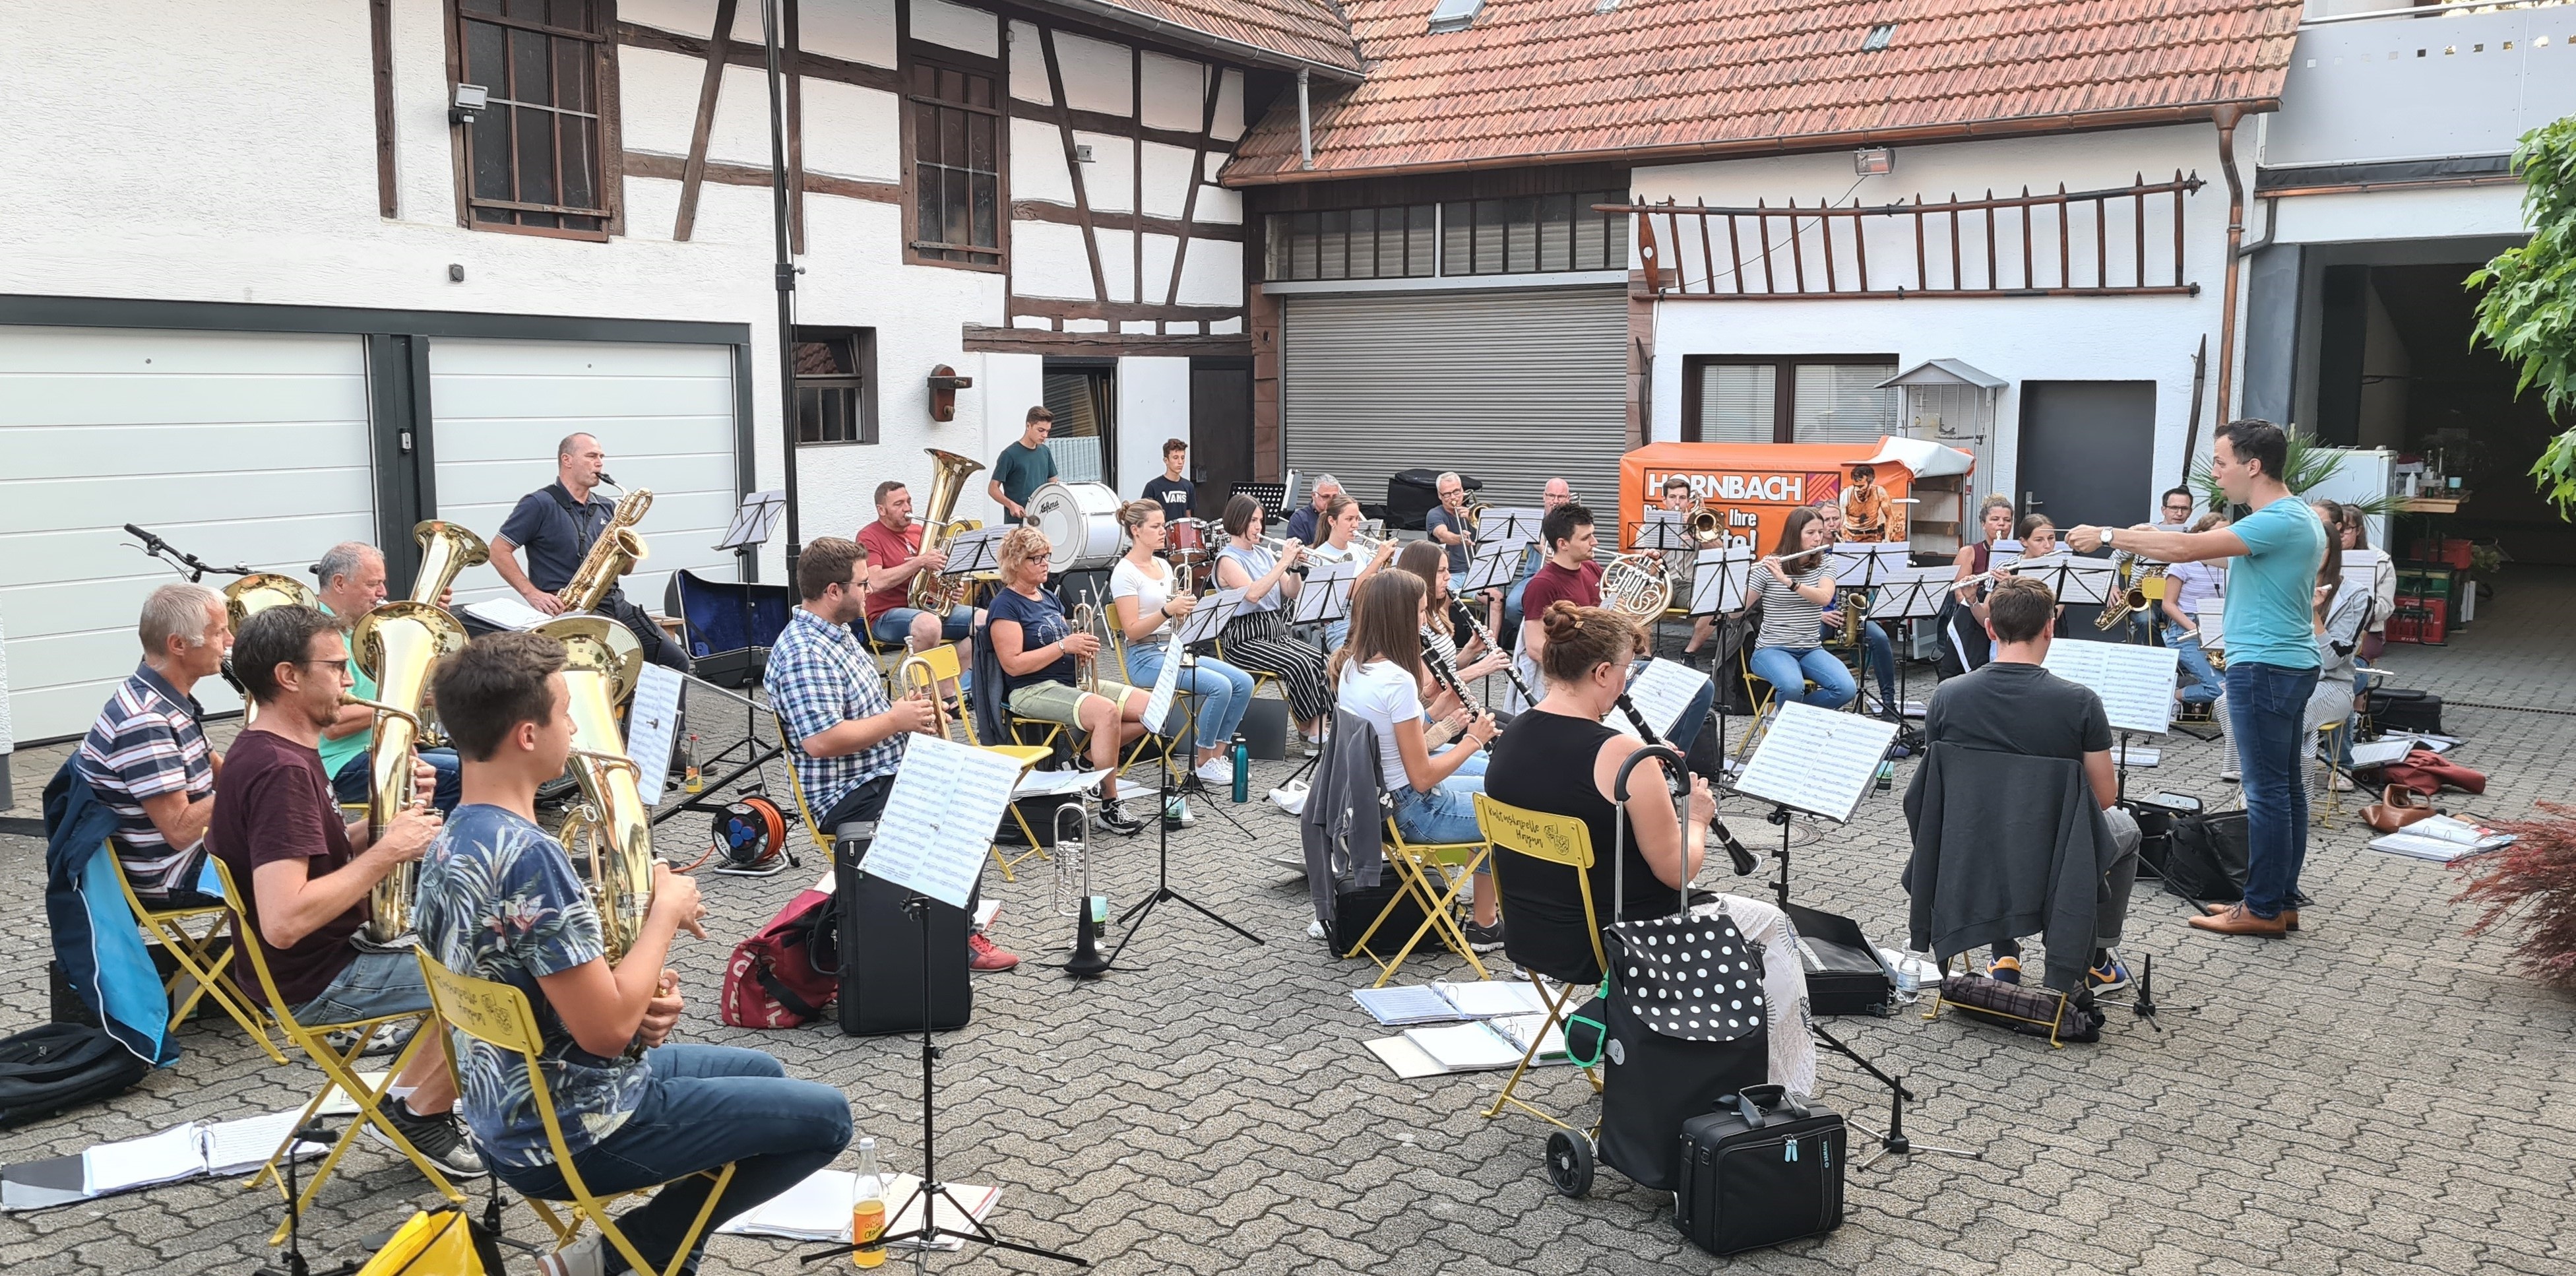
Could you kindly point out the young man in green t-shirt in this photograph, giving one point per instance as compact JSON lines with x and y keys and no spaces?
{"x":1024,"y":466}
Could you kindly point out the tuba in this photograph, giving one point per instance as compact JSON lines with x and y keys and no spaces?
{"x":948,"y":473}
{"x":250,"y":596}
{"x":614,"y":554}
{"x":611,"y":831}
{"x":397,"y":644}
{"x":1636,"y":586}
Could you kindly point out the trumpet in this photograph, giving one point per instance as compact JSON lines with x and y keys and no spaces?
{"x":915,"y":677}
{"x":1086,"y":669}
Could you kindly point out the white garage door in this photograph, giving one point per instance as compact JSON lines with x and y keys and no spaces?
{"x":1510,"y":387}
{"x":664,"y":413}
{"x":236,"y":447}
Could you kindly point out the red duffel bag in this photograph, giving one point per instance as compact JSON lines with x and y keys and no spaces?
{"x":786,"y":974}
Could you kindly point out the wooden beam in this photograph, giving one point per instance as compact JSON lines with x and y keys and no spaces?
{"x":670,"y":167}
{"x":1100,"y":122}
{"x":789,"y":38}
{"x":380,"y":37}
{"x":820,"y":66}
{"x":1072,"y":165}
{"x":1028,"y":210}
{"x":986,"y":340}
{"x":696,"y":169}
{"x":1113,"y":311}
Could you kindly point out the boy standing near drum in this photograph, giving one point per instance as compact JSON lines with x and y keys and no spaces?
{"x":1024,"y":466}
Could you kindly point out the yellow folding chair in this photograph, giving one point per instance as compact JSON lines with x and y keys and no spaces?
{"x":796,"y":790}
{"x":1431,"y":874}
{"x":497,"y":1015}
{"x":193,"y":951}
{"x":1566,"y":842}
{"x":339,"y":1072}
{"x":1027,"y":755}
{"x":931,"y":668}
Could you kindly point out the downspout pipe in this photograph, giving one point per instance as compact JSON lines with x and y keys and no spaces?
{"x":1305,"y":123}
{"x":2227,"y":118}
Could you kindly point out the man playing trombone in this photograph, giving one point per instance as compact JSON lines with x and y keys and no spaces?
{"x":845,"y":736}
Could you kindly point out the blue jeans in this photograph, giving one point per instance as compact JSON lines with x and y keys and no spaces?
{"x":2206,"y":686}
{"x":1446,"y":814}
{"x":1882,"y":659}
{"x":707,"y":1105}
{"x":1471,"y":769}
{"x":371,"y":986}
{"x":2266,"y":707}
{"x":894,"y":625}
{"x":1789,"y":670}
{"x":350,"y":785}
{"x":1223,"y":691}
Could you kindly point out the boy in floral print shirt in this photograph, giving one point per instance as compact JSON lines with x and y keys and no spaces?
{"x":499,"y":900}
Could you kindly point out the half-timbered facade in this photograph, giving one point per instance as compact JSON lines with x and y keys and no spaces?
{"x":279,"y":273}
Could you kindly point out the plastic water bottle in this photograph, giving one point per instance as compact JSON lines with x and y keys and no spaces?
{"x":1242,"y":769}
{"x":868,"y":1208}
{"x":691,"y":779}
{"x":1886,"y":776}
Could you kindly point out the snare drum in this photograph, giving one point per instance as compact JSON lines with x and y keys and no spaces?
{"x":1080,"y":522}
{"x":1186,"y":541}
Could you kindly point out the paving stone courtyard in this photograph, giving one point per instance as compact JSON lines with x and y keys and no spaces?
{"x":2377,"y":1095}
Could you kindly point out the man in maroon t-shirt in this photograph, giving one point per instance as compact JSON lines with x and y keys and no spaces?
{"x":895,"y":560}
{"x":1569,"y":573}
{"x":306,"y":876}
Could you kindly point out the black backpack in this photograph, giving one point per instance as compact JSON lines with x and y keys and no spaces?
{"x":56,"y":1066}
{"x":2205,"y":857}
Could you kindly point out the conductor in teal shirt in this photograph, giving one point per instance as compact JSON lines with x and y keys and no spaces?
{"x":2275,"y":555}
{"x":1024,"y":466}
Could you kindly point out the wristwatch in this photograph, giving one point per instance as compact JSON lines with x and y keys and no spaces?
{"x":2106,"y":535}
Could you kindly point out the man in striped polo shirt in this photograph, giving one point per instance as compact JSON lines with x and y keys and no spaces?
{"x":147,"y":756}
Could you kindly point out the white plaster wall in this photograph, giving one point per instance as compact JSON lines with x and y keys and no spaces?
{"x":1049,"y":260}
{"x":1167,"y":178}
{"x":1153,"y":405}
{"x":1110,"y":178}
{"x":956,"y":26}
{"x":681,"y":17}
{"x":1118,"y":262}
{"x":1098,"y":76}
{"x":1158,"y":251}
{"x":1011,"y":384}
{"x":1037,"y":164}
{"x":2018,"y":339}
{"x":851,"y":131}
{"x":1229,"y":107}
{"x":1175,"y":92}
{"x":658,"y":99}
{"x":741,"y":131}
{"x":2411,"y":214}
{"x":855,"y":30}
{"x":1212,"y":275}
{"x":1028,"y":65}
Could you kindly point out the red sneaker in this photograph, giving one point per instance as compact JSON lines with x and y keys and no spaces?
{"x":982,"y":955}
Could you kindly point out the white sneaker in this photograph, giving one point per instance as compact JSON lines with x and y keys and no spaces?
{"x":584,"y":1257}
{"x":1216,"y":771}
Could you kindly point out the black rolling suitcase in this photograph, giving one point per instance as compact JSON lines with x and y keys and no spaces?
{"x":1764,"y":1169}
{"x":881,"y":949}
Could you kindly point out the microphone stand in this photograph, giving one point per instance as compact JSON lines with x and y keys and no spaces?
{"x":295,"y":1264}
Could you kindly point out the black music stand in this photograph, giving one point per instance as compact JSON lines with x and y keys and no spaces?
{"x":1876,"y":560}
{"x":1204,"y":624}
{"x":1813,"y":760}
{"x":1917,"y":598}
{"x":1137,"y":913}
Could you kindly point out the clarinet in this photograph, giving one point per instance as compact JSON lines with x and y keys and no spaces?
{"x":1446,"y":675}
{"x":1511,"y":667}
{"x":1679,"y":782}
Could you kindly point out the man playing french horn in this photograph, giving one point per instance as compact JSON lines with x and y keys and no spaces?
{"x":306,"y":875}
{"x":556,"y":524}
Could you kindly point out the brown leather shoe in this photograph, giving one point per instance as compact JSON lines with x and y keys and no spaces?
{"x":2288,"y":915}
{"x":2239,"y":920}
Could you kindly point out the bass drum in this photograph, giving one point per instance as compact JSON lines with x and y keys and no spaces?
{"x":1080,"y":522}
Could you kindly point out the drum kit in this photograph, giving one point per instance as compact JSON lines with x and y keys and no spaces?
{"x":1080,"y":523}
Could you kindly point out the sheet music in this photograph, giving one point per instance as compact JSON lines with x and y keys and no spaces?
{"x":1167,"y":684}
{"x":975,"y":551}
{"x":2089,"y":581}
{"x":2212,"y":614}
{"x":1662,"y":692}
{"x":1911,"y":591}
{"x":1721,"y":579}
{"x":1817,"y":760}
{"x":1056,"y":783}
{"x":2136,"y":683}
{"x":1493,"y":566}
{"x":947,"y":800}
{"x":1508,"y":523}
{"x":1868,"y":562}
{"x":1661,"y":530}
{"x":651,"y":725}
{"x":1326,"y":593}
{"x":1207,"y":620}
{"x":505,"y":613}
{"x":235,"y":1146}
{"x":171,"y":1155}
{"x":2004,"y":553}
{"x":2360,"y":569}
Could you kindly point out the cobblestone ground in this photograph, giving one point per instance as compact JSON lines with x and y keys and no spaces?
{"x":2378,"y":1095}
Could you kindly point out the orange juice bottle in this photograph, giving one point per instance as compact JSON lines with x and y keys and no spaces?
{"x":868,"y":1209}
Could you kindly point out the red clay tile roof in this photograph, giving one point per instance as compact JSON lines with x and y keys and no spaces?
{"x":1551,"y":81}
{"x":1308,"y":31}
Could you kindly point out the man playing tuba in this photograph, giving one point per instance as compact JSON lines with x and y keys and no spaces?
{"x":896,"y":560}
{"x":352,"y":576}
{"x":557,"y":524}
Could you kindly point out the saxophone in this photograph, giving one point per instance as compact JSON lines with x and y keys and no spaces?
{"x":398,"y":644}
{"x":614,"y":554}
{"x":2136,"y":598}
{"x":612,"y":830}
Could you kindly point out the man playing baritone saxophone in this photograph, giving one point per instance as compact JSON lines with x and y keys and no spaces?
{"x":499,"y":900}
{"x":557,"y":524}
{"x":306,"y":876}
{"x":847,"y":736}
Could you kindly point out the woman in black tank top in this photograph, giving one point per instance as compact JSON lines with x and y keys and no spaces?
{"x":1559,"y":759}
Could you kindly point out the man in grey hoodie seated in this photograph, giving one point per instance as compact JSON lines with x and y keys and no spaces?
{"x":2012,"y":705}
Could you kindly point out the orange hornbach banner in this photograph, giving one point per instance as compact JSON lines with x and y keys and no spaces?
{"x":1753,"y":486}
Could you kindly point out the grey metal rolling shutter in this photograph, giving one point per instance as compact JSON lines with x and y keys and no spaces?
{"x":1511,"y":387}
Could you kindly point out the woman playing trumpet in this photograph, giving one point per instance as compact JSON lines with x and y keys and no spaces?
{"x":1256,"y":639}
{"x":1963,"y":617}
{"x":1039,"y":650}
{"x":1341,"y":525}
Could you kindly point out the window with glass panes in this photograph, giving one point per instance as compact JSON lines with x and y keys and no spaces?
{"x":835,"y":392}
{"x":1525,"y":235}
{"x":533,"y":155}
{"x":1787,"y":399}
{"x":957,"y":139}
